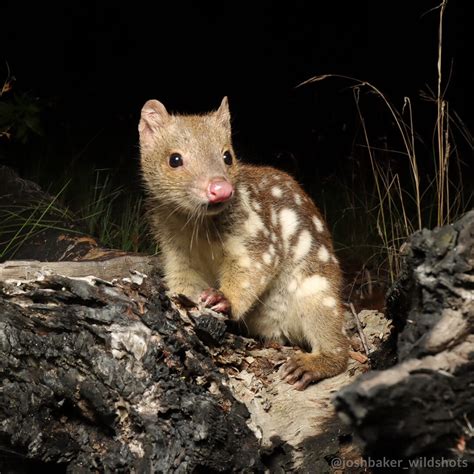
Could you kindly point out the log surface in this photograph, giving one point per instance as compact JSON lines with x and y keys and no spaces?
{"x":97,"y":377}
{"x":424,"y":405}
{"x":118,"y":377}
{"x":108,"y":267}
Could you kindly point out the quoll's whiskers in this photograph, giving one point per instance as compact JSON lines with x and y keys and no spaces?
{"x":194,"y":218}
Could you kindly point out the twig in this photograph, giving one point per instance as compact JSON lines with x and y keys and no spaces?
{"x":359,"y":328}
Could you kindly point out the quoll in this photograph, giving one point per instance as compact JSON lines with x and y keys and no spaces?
{"x":244,"y":240}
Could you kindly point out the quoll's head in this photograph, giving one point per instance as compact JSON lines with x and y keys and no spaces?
{"x":187,"y":160}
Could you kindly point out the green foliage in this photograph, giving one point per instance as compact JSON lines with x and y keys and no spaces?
{"x":18,"y":223}
{"x":107,"y":212}
{"x":114,"y":216}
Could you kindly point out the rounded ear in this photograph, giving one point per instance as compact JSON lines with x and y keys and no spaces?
{"x":223,"y":112}
{"x":153,"y":117}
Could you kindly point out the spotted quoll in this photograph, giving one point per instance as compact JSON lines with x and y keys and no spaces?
{"x":244,"y":240}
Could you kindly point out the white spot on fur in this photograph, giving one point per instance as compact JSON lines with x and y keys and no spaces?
{"x":258,"y":265}
{"x":292,"y":285}
{"x":245,"y":198}
{"x":253,"y":224}
{"x":245,"y":284}
{"x":235,"y":247}
{"x":303,"y":245}
{"x":273,"y":237}
{"x":323,"y":254}
{"x":312,"y":285}
{"x":271,"y":250}
{"x":329,"y":301}
{"x":267,"y":258}
{"x":256,"y":205}
{"x":289,"y":224}
{"x":244,"y":193}
{"x":273,"y":217}
{"x":277,"y":192}
{"x":318,"y":224}
{"x":298,"y":199}
{"x":334,"y":259}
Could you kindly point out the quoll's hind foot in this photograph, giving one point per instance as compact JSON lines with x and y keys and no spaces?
{"x":300,"y":372}
{"x":304,"y":369}
{"x":215,"y":299}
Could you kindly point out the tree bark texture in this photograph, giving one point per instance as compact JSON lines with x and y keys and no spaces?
{"x":424,"y":405}
{"x":96,"y":377}
{"x":116,"y":377}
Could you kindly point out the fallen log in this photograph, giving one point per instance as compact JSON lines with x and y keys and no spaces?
{"x":107,"y":267}
{"x":115,"y":376}
{"x":422,"y":409}
{"x":97,"y":377}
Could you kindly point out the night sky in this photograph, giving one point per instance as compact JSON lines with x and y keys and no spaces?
{"x":93,"y":65}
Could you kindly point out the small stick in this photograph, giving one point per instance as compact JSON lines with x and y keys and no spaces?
{"x":359,"y":328}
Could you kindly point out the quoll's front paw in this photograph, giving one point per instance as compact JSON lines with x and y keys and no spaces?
{"x":301,"y":370}
{"x":215,"y":299}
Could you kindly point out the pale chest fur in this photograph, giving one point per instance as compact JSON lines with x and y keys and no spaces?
{"x":190,"y":246}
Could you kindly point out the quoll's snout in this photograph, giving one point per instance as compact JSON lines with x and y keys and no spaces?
{"x":219,"y":190}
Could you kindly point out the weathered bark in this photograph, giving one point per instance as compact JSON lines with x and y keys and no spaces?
{"x":107,"y":267}
{"x":102,"y":378}
{"x":116,"y":377}
{"x":424,"y":405}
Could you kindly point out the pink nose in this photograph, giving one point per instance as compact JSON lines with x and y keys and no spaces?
{"x":219,"y":191}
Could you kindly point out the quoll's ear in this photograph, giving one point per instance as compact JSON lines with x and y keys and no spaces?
{"x":223,"y":113}
{"x":153,"y":117}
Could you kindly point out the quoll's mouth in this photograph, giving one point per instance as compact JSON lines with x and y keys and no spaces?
{"x":217,"y":207}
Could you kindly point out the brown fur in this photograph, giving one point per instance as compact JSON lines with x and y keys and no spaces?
{"x":267,"y":250}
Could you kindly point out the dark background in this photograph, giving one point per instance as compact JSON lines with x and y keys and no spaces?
{"x":92,"y":65}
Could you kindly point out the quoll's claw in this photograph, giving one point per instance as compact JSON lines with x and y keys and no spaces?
{"x":215,"y":299}
{"x":300,"y":371}
{"x":206,"y":295}
{"x":222,"y":307}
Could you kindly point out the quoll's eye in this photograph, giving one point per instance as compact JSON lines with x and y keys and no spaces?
{"x":176,"y":160}
{"x":227,"y":157}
